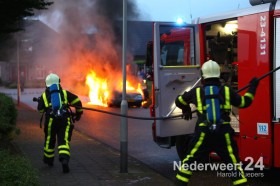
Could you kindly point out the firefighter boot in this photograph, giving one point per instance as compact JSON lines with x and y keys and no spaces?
{"x":48,"y":161}
{"x":65,"y":167}
{"x":180,"y":183}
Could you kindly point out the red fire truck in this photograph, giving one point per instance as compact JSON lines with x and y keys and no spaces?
{"x":246,"y":44}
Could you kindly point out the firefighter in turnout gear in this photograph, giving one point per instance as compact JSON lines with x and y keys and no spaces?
{"x":213,"y":132}
{"x":54,"y":103}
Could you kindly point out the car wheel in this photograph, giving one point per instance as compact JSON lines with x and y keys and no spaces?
{"x":138,"y":104}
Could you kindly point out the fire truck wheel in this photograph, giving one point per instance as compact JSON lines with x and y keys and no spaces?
{"x":182,"y":144}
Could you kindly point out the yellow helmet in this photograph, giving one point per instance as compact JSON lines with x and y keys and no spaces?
{"x":210,"y":69}
{"x":52,"y":79}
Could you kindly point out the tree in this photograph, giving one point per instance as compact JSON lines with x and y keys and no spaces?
{"x":13,"y":11}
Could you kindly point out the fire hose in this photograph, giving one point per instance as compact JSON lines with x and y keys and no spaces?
{"x":167,"y":117}
{"x":128,"y":116}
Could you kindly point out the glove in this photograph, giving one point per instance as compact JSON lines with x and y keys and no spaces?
{"x":253,"y":85}
{"x":77,"y":116}
{"x":254,"y":82}
{"x":187,"y":112}
{"x":36,"y":99}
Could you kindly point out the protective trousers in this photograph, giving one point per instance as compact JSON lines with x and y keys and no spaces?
{"x":221,"y":142}
{"x":60,"y":128}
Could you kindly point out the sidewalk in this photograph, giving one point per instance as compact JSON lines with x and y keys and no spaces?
{"x":92,"y":163}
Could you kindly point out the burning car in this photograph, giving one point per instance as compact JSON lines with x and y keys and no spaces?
{"x":108,"y":92}
{"x":133,"y":98}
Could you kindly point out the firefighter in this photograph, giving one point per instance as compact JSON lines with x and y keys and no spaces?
{"x":213,"y":137}
{"x":58,"y":125}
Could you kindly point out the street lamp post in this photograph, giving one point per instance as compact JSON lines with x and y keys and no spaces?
{"x":18,"y":75}
{"x":124,"y":105}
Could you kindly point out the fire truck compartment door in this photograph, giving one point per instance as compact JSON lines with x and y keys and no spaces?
{"x":175,"y":71}
{"x":276,"y":82}
{"x":276,"y":94}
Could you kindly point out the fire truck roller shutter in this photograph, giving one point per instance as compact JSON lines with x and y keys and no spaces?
{"x":276,"y":92}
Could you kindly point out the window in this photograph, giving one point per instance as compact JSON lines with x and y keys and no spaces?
{"x":177,"y":46}
{"x":172,"y":54}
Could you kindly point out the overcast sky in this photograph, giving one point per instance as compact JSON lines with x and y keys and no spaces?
{"x":170,"y":10}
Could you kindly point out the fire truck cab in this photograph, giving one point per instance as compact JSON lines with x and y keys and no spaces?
{"x":246,"y":44}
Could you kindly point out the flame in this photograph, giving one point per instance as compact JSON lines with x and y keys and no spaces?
{"x":98,"y":89}
{"x":99,"y":93}
{"x":139,"y":89}
{"x":131,"y":88}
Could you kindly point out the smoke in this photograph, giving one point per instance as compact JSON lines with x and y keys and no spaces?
{"x":88,"y":37}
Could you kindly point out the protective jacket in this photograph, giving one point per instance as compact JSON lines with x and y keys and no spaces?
{"x":228,"y":97}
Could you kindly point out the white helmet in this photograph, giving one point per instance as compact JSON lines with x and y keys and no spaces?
{"x":52,"y":79}
{"x":210,"y":69}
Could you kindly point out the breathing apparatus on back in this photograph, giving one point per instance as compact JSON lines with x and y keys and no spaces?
{"x":53,"y":83}
{"x":211,"y":69}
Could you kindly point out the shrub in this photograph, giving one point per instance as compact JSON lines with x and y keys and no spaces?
{"x":8,"y":118}
{"x":16,"y":170}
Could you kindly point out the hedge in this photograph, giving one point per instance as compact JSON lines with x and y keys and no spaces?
{"x":15,"y":169}
{"x":8,"y":118}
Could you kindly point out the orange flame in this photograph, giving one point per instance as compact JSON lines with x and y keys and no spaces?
{"x":99,"y":93}
{"x":131,"y":88}
{"x":98,"y":89}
